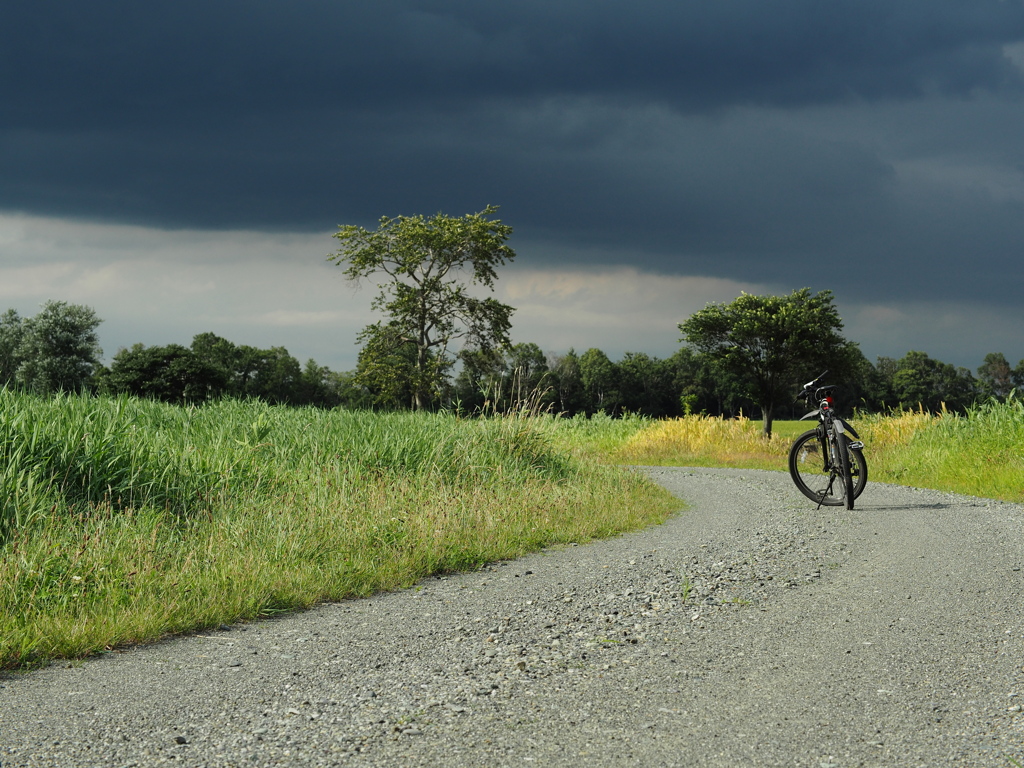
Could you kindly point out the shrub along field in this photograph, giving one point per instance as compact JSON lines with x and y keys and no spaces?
{"x":124,"y":520}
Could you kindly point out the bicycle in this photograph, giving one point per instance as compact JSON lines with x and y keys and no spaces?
{"x":824,"y":455}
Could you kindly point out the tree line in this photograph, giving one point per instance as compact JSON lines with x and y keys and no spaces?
{"x":746,"y":356}
{"x":58,"y":350}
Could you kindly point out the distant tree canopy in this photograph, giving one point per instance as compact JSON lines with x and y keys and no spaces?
{"x":996,"y":377}
{"x":767,"y":344}
{"x":12,"y":330}
{"x":174,"y":374}
{"x":426,"y":267}
{"x":268,"y":374}
{"x":504,"y":380}
{"x":215,"y":367}
{"x":916,"y":380}
{"x":57,"y":350}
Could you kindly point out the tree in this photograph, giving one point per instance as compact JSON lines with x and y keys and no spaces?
{"x":565,"y":372}
{"x":879,"y":383}
{"x":479,"y":381}
{"x":860,"y":385}
{"x":527,"y":376}
{"x":646,"y":385}
{"x":995,"y":377}
{"x":173,"y":374}
{"x":693,"y":382}
{"x":927,"y":383}
{"x":772,"y":343}
{"x":218,"y":352}
{"x":271,"y":375}
{"x":504,"y":380}
{"x":386,"y":370}
{"x":274,"y":376}
{"x":12,"y":331}
{"x":428,"y":266}
{"x":1017,"y":376}
{"x":600,"y":379}
{"x":321,"y":387}
{"x":59,"y":349}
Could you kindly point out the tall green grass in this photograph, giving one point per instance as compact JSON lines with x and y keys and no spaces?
{"x":125,"y":520}
{"x":598,"y":436}
{"x":979,"y":453}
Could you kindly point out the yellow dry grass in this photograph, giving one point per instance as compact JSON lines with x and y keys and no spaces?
{"x":895,"y":430}
{"x":705,"y":441}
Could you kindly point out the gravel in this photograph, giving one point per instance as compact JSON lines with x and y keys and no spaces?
{"x":750,"y":629}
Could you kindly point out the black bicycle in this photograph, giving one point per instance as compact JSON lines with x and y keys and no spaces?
{"x":826,"y":465}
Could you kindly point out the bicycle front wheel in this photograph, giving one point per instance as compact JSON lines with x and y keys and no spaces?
{"x":811,"y":469}
{"x":858,"y":469}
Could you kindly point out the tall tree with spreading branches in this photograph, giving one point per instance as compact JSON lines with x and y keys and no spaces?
{"x":425,"y":269}
{"x":772,"y":343}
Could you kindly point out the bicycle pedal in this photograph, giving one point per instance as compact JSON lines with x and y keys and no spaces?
{"x":856,"y":445}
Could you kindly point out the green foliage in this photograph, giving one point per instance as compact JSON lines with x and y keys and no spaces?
{"x":995,"y":376}
{"x":386,"y":370}
{"x":324,"y":388}
{"x":271,"y":375}
{"x":647,"y":385}
{"x":173,"y":374}
{"x":917,"y":380}
{"x":770,"y":343}
{"x":12,"y":331}
{"x":503,"y":380}
{"x":693,"y":382}
{"x":427,"y":267}
{"x":567,"y":383}
{"x":600,"y":380}
{"x":57,"y":350}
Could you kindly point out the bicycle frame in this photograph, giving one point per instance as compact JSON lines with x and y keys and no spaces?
{"x":829,"y":425}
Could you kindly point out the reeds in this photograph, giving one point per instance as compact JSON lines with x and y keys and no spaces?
{"x":126,"y":520}
{"x":980,"y":452}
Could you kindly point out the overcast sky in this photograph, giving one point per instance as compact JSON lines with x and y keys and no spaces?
{"x":180,"y":167}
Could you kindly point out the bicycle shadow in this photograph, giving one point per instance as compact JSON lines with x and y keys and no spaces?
{"x":897,"y":507}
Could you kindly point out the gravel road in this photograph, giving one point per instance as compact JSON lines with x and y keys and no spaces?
{"x":749,"y":630}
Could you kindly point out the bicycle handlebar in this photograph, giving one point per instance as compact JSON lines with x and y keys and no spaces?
{"x":810,"y":384}
{"x":805,"y":393}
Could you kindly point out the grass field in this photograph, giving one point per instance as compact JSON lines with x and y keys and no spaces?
{"x":125,"y":520}
{"x":979,"y":453}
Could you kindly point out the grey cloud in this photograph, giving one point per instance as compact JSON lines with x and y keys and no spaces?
{"x":121,"y":62}
{"x":763,"y":141}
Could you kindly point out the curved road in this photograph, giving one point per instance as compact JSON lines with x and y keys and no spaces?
{"x":751,"y":629}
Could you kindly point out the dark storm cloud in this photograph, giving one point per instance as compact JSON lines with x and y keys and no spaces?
{"x":76,"y":65}
{"x":645,"y":127}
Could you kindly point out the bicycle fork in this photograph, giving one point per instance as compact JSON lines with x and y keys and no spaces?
{"x":828,"y":446}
